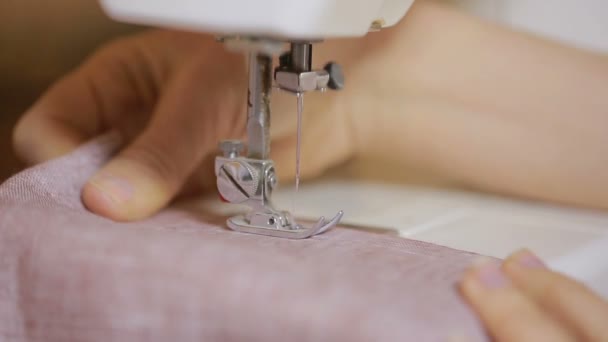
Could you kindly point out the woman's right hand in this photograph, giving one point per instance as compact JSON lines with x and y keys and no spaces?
{"x":172,"y":96}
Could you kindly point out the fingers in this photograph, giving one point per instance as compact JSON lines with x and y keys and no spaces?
{"x":200,"y":105}
{"x":167,"y":93}
{"x":43,"y":133}
{"x":115,"y":83}
{"x":570,"y":302}
{"x":506,"y":312}
{"x":523,"y":300}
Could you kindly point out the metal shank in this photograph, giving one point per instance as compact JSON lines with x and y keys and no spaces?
{"x":258,"y":120}
{"x":301,"y":57}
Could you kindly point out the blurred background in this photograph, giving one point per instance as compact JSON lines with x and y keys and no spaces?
{"x":39,"y":42}
{"x":42,"y":40}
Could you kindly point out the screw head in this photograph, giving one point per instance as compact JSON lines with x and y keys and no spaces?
{"x":237,"y":182}
{"x":336,"y":76}
{"x":232,"y":148}
{"x":273,"y":179}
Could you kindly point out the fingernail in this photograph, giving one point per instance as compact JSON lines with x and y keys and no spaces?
{"x":491,"y":276}
{"x":527,"y":259}
{"x":117,"y":189}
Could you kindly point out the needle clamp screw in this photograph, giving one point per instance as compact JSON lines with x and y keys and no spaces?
{"x":336,"y":76}
{"x":232,"y":148}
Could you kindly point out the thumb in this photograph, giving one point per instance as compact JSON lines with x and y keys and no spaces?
{"x":184,"y":130}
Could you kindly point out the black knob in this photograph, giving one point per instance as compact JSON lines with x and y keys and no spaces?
{"x":336,"y":76}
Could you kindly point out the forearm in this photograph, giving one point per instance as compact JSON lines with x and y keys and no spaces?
{"x":485,"y":106}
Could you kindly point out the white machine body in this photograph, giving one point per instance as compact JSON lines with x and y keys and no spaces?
{"x":279,"y":19}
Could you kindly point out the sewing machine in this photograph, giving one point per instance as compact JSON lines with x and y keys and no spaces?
{"x":261,"y":28}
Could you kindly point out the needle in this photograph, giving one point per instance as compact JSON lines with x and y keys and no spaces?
{"x":298,"y":147}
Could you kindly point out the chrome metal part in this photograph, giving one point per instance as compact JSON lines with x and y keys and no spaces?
{"x":295,"y":73}
{"x":291,"y":231}
{"x":302,"y":82}
{"x":301,"y":57}
{"x":250,"y":182}
{"x":258,"y":103}
{"x":237,"y":181}
{"x":232,"y":148}
{"x":250,"y":179}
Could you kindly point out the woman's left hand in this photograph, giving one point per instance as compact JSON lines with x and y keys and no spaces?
{"x":522,"y":300}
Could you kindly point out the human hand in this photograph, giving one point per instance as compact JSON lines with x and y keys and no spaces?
{"x":523,"y":300}
{"x":172,"y":96}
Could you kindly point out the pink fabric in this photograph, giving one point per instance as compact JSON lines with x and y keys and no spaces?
{"x":68,"y":275}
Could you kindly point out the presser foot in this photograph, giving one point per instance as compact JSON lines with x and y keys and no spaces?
{"x":250,"y":182}
{"x":280,"y":225}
